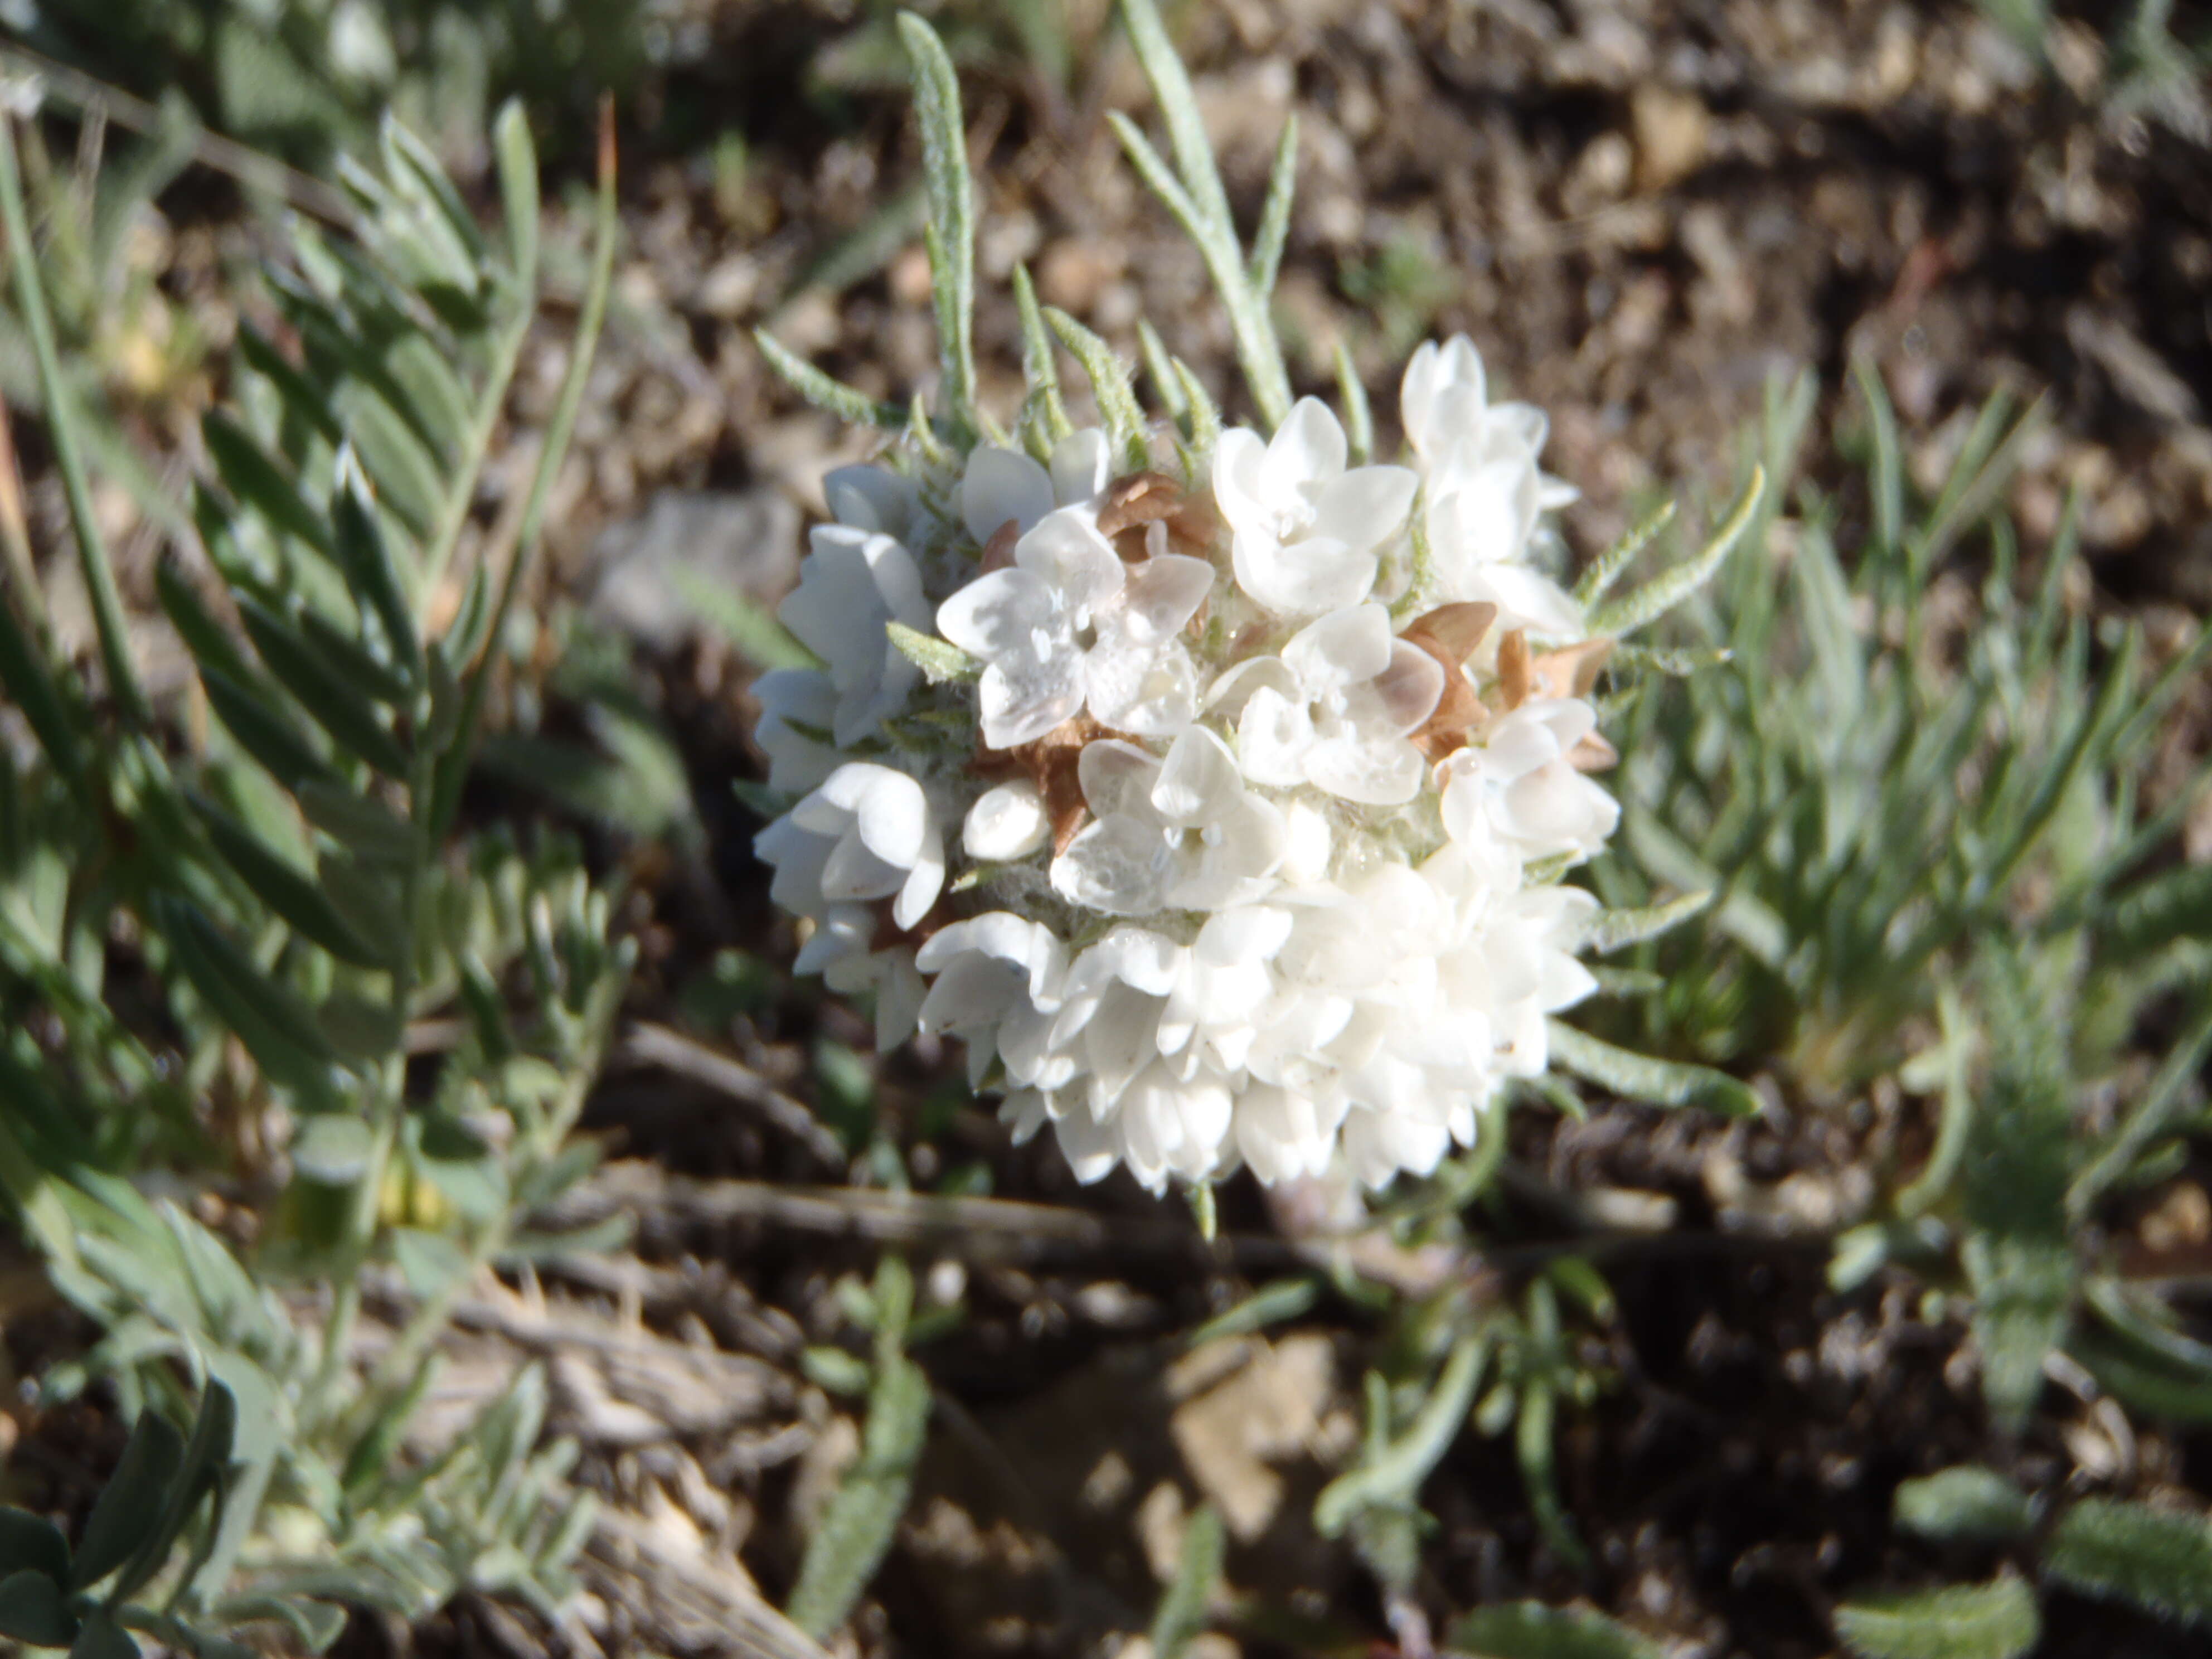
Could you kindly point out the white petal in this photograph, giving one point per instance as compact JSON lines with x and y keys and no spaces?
{"x":1091,"y":1149}
{"x":853,"y":873}
{"x":1022,"y":698}
{"x":1149,"y":690}
{"x":1308,"y":448}
{"x":1251,"y":932}
{"x":1342,"y":648}
{"x":1001,"y":484}
{"x":872,"y":498}
{"x":1239,"y":456}
{"x":1162,"y":595}
{"x":1066,"y":551}
{"x":1273,"y":738}
{"x":1117,"y":778}
{"x":1001,"y":613}
{"x":1117,"y":865}
{"x":1006,"y":823}
{"x":923,"y":883}
{"x":1303,"y":578}
{"x":1082,"y":464}
{"x":1229,"y":692}
{"x":1557,"y":808}
{"x":1198,"y":781}
{"x":1407,"y":692}
{"x":1379,"y":771}
{"x":889,"y":808}
{"x":1233,"y":858}
{"x":1364,"y":508}
{"x":1306,"y":845}
{"x":1527,"y":599}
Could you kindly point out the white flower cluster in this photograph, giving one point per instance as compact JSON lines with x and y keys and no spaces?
{"x":1223,"y":827}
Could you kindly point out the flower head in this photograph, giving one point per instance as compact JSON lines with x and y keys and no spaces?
{"x":1241,"y":868}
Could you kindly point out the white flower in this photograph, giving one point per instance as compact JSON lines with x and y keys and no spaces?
{"x":1484,"y":493}
{"x":1479,"y":514}
{"x":851,"y":583}
{"x":873,"y":498}
{"x":1003,"y":484}
{"x":1306,"y":531}
{"x":1514,"y":785}
{"x":1005,"y":823}
{"x":867,"y":833}
{"x":1333,"y":709}
{"x":1068,"y":625}
{"x":1318,"y":948}
{"x":1178,"y":834}
{"x":792,"y":698}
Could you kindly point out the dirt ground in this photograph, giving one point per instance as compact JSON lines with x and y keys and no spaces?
{"x":1640,"y":210}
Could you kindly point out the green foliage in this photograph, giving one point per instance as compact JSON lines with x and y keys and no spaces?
{"x":1812,"y":779}
{"x":1184,"y":1607}
{"x":1968,"y":1501}
{"x":309,"y":78}
{"x":856,"y":1527}
{"x":2156,"y":1560}
{"x":291,"y":898}
{"x":1995,"y":1620}
{"x":1529,"y":1629}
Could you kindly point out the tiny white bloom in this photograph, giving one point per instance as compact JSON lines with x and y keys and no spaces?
{"x":850,"y":585}
{"x":1514,"y":784}
{"x":882,"y":839}
{"x":1307,"y":532}
{"x":1006,"y":823}
{"x":1335,"y":708}
{"x":790,"y":699}
{"x":1181,"y":834}
{"x":1068,"y":625}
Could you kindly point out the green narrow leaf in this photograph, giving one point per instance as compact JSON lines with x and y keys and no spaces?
{"x":1889,"y":482}
{"x":129,"y":1507}
{"x":1039,"y":372}
{"x":1183,"y":1609}
{"x":32,"y":1541}
{"x":368,"y":561}
{"x":518,"y":187}
{"x":291,"y":892}
{"x":1608,"y":567}
{"x":939,"y":660}
{"x":1664,"y":593}
{"x":1529,"y":1629}
{"x":1359,"y":418}
{"x":1654,"y":1082}
{"x":341,"y":707}
{"x":1610,"y":930}
{"x":1968,"y":1501}
{"x":299,"y":394}
{"x":1995,"y":1620}
{"x":1391,"y":1476}
{"x":58,"y":399}
{"x":277,"y":1027}
{"x":1275,"y":212}
{"x":1110,"y":385}
{"x":364,"y":826}
{"x":847,"y":402}
{"x":258,"y":728}
{"x":255,"y":480}
{"x":857,"y":1526}
{"x":33,"y":1611}
{"x":102,"y":1637}
{"x":2159,"y":1561}
{"x":28,"y":678}
{"x":951,"y":208}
